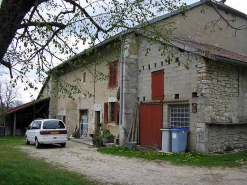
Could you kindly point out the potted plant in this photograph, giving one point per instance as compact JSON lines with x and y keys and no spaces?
{"x":94,"y":140}
{"x":100,"y":143}
{"x":76,"y":134}
{"x":107,"y":138}
{"x":97,"y":141}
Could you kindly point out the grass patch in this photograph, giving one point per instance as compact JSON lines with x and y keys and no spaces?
{"x":16,"y":167}
{"x":190,"y":158}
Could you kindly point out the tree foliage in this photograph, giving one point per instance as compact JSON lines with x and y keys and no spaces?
{"x":38,"y":34}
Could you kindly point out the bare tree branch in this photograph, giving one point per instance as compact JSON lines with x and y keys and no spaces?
{"x":41,"y":24}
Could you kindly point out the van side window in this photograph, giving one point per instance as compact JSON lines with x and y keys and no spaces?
{"x":36,"y":125}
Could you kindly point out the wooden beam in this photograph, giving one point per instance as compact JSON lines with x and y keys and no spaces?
{"x":41,"y":108}
{"x":34,"y":111}
{"x":14,"y":129}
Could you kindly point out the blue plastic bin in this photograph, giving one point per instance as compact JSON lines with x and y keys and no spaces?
{"x":179,"y":139}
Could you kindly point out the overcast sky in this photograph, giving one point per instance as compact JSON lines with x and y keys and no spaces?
{"x":240,"y":5}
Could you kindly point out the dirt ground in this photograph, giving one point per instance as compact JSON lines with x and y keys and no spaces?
{"x":113,"y":169}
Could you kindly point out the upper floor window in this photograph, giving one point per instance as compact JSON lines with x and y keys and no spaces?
{"x":158,"y":85}
{"x":113,"y":69}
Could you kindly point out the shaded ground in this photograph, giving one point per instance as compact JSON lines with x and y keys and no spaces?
{"x":113,"y":169}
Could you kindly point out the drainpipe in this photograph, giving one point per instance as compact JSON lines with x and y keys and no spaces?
{"x":121,"y":85}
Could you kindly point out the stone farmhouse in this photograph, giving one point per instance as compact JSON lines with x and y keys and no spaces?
{"x":202,"y":87}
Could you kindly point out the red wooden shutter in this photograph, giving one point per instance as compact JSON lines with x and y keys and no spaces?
{"x":106,"y":112}
{"x":110,"y":75}
{"x":158,"y":85}
{"x":116,"y":112}
{"x":113,"y":75}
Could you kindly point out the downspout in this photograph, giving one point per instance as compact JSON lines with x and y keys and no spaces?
{"x":121,"y":85}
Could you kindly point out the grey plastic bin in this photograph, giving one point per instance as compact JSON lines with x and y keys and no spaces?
{"x":166,"y":140}
{"x":179,"y":139}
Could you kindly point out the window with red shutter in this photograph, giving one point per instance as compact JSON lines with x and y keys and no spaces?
{"x":106,"y":112}
{"x":116,"y":113}
{"x":113,"y":75}
{"x":158,"y":85}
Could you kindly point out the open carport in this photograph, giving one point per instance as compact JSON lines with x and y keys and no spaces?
{"x":18,"y":118}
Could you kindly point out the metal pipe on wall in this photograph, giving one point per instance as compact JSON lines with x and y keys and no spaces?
{"x":121,"y":85}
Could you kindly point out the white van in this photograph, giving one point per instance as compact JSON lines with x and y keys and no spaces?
{"x":46,"y":131}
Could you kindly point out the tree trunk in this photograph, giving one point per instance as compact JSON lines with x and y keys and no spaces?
{"x":12,"y":13}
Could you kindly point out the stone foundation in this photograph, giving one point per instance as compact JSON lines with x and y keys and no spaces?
{"x":221,"y":137}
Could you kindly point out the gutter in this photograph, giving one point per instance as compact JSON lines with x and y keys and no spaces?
{"x":230,"y":61}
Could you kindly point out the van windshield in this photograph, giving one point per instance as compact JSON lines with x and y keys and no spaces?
{"x":53,"y":124}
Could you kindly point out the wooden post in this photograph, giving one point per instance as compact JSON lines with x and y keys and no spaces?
{"x":34,"y":111}
{"x":14,"y":125}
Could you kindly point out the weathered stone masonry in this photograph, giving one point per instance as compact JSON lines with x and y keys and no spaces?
{"x":221,"y":106}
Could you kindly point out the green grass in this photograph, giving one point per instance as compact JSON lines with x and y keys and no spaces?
{"x":190,"y":158}
{"x":17,"y":168}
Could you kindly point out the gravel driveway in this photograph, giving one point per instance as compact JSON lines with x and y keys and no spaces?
{"x":113,"y":169}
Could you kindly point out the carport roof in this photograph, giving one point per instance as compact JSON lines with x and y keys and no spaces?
{"x":26,"y":105}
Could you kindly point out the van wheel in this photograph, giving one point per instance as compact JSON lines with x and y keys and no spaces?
{"x":63,"y":145}
{"x":26,"y":141}
{"x":37,"y":144}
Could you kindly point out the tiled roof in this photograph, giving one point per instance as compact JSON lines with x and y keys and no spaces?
{"x":26,"y":105}
{"x":207,"y":50}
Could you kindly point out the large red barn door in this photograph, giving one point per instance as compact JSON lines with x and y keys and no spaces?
{"x":150,"y":125}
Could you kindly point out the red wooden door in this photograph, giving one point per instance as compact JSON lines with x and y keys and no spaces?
{"x":150,"y":125}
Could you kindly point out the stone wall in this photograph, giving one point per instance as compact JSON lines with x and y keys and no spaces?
{"x":130,"y":85}
{"x":221,"y":137}
{"x":222,"y":111}
{"x":193,"y":28}
{"x":218,"y":88}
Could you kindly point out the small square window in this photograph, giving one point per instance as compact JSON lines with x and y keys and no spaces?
{"x":176,"y":96}
{"x":181,"y":50}
{"x":194,"y":95}
{"x":84,"y":76}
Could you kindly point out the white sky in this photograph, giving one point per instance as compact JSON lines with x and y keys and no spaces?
{"x":240,"y":5}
